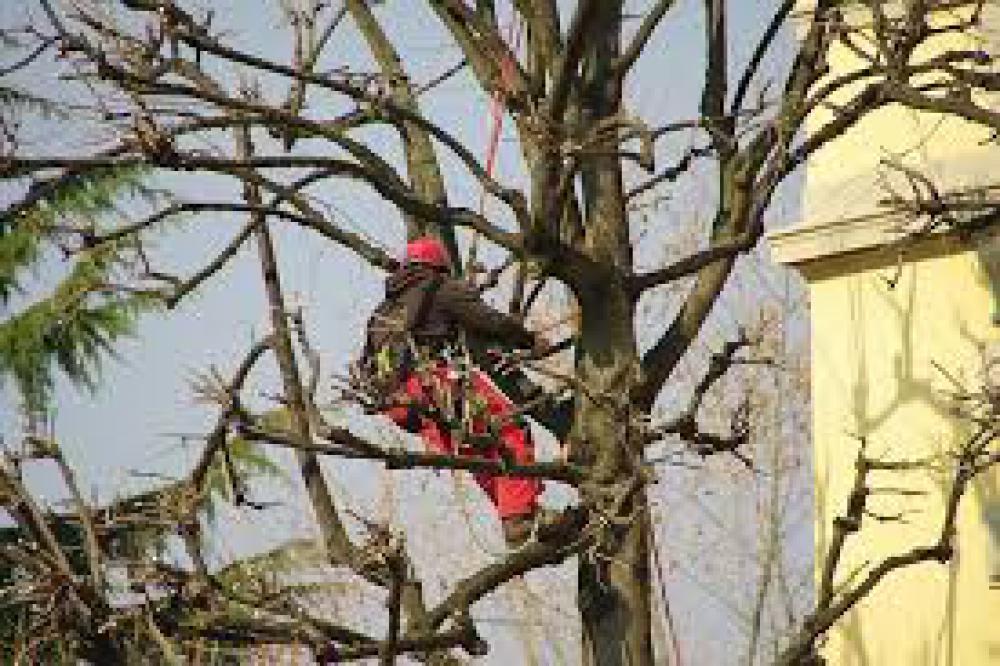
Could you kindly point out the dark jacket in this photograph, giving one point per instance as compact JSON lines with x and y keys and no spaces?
{"x":454,"y":306}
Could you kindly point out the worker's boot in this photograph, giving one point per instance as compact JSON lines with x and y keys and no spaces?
{"x":539,"y":523}
{"x":518,"y":529}
{"x":543,"y":524}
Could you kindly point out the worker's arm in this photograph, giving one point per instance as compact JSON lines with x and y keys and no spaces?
{"x":463,"y":303}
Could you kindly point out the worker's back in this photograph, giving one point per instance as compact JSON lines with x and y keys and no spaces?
{"x":434,"y":307}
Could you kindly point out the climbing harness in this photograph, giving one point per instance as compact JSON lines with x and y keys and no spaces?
{"x":391,"y":352}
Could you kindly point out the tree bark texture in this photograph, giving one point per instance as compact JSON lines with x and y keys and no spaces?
{"x":614,"y":575}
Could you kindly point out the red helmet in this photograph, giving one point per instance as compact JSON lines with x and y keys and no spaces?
{"x":428,"y":251}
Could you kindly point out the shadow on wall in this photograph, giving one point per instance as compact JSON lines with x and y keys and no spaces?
{"x":987,"y":487}
{"x":908,"y":386}
{"x":986,"y":492}
{"x":912,"y":382}
{"x":990,"y":492}
{"x":853,"y":636}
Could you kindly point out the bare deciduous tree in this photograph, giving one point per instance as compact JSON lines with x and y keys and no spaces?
{"x":164,"y":98}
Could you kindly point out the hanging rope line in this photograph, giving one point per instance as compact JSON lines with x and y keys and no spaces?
{"x":495,"y":116}
{"x":497,"y":107}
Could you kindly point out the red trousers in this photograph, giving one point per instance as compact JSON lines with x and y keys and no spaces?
{"x":512,"y":496}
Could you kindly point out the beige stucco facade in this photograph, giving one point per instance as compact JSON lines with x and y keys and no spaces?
{"x":897,"y":327}
{"x":884,"y":360}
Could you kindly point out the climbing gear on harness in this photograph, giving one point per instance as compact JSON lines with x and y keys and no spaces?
{"x":391,"y":353}
{"x":518,"y":529}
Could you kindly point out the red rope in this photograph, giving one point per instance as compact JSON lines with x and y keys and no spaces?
{"x":496,"y":111}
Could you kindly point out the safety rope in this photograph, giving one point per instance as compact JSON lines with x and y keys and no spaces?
{"x":496,"y":115}
{"x":514,"y":30}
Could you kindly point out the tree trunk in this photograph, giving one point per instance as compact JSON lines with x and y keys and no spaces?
{"x":614,"y":575}
{"x":615,"y":605}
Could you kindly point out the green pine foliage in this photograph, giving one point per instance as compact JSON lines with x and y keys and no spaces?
{"x":130,"y":541}
{"x":16,"y":617}
{"x":74,"y":201}
{"x":19,"y":249}
{"x":249,"y":461}
{"x":71,"y":330}
{"x":74,"y":326}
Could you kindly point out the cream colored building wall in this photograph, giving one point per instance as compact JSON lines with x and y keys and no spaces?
{"x":848,"y":177}
{"x":874,"y":354}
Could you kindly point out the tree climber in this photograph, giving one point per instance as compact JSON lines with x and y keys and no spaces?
{"x":418,"y":367}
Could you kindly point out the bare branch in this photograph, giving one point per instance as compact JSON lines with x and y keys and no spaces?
{"x":41,"y":48}
{"x":685,"y":425}
{"x":216,"y":439}
{"x":563,"y":538}
{"x":349,"y":445}
{"x":692,"y":263}
{"x":672,"y":172}
{"x":83,"y":510}
{"x":763,"y":46}
{"x":832,"y":604}
{"x":642,"y":36}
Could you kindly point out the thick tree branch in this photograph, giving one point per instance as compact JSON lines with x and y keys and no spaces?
{"x":564,"y":538}
{"x":422,"y":164}
{"x":580,"y":28}
{"x":496,"y":66}
{"x":544,"y":40}
{"x":91,"y":547}
{"x":713,"y":96}
{"x":686,"y":426}
{"x":692,"y":263}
